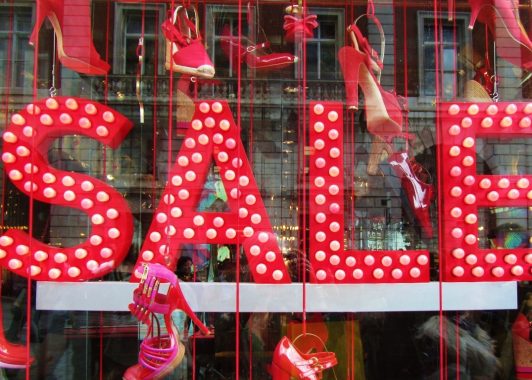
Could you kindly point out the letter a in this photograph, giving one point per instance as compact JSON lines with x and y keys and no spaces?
{"x":213,"y":134}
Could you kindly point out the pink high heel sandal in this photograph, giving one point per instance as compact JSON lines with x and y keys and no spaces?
{"x":159,"y":354}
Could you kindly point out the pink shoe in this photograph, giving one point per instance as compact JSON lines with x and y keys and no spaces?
{"x":159,"y":354}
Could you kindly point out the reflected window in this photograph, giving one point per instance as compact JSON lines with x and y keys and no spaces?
{"x":322,"y":48}
{"x":451,"y":43}
{"x":134,"y":23}
{"x":16,"y":55}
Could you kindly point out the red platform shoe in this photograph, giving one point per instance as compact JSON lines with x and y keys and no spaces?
{"x":503,"y":16}
{"x":418,"y":192}
{"x":71,"y":20}
{"x":289,"y":362}
{"x":185,"y":52}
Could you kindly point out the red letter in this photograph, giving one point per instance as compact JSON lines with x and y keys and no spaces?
{"x":463,"y":191}
{"x":214,"y":133}
{"x":330,"y":262}
{"x":26,"y":143}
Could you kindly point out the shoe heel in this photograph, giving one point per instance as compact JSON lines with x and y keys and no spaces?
{"x":474,"y":14}
{"x":277,"y":373}
{"x":350,"y":64}
{"x":41,"y":15}
{"x":182,"y":304}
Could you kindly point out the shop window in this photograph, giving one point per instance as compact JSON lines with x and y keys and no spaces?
{"x":322,"y":48}
{"x":130,"y":21}
{"x":451,"y":43}
{"x":16,"y":55}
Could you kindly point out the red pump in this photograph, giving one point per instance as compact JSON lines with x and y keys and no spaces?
{"x":71,"y":20}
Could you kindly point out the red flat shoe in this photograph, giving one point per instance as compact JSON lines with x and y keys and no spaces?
{"x":252,"y":54}
{"x":71,"y":20}
{"x":289,"y":362}
{"x":185,"y":52}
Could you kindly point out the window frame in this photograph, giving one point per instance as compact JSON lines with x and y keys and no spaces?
{"x":17,"y":43}
{"x":120,"y":35}
{"x":459,"y":17}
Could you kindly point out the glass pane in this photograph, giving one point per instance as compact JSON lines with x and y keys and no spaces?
{"x":312,"y":60}
{"x":449,"y":59}
{"x":429,"y":59}
{"x":430,"y":82}
{"x":328,"y":27}
{"x":328,"y":61}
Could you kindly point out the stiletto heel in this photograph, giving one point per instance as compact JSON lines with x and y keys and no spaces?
{"x":71,"y":20}
{"x":289,"y":362}
{"x":418,"y":192}
{"x":185,"y":52}
{"x":501,"y":15}
{"x":159,"y":354}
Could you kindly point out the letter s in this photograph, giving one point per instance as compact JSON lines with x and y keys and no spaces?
{"x":26,"y":143}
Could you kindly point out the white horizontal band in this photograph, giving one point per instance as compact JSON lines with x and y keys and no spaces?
{"x":220,"y":297}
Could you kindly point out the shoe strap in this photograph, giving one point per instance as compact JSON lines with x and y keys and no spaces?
{"x":261,"y":46}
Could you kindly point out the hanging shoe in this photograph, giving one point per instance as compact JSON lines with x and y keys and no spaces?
{"x":418,"y":192}
{"x":289,"y":362}
{"x":502,"y":16}
{"x":71,"y":20}
{"x":253,"y":55}
{"x":384,"y":113}
{"x":159,"y":354}
{"x":185,"y":52}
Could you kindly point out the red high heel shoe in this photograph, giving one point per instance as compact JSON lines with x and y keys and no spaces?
{"x":71,"y":20}
{"x":503,"y":15}
{"x":289,"y":362}
{"x":159,"y":354}
{"x":232,"y":48}
{"x":185,"y":52}
{"x":418,"y":192}
{"x":384,"y":114}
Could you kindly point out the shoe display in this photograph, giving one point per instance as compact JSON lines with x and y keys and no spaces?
{"x":185,"y":52}
{"x":159,"y":353}
{"x":71,"y":20}
{"x":289,"y":362}
{"x":384,"y":120}
{"x":502,"y":16}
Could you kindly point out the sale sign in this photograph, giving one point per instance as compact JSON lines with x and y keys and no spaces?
{"x":213,"y":138}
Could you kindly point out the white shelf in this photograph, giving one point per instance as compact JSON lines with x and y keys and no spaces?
{"x":221,"y":297}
